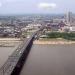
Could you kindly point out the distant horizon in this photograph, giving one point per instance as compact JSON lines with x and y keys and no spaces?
{"x":13,"y":14}
{"x":32,"y":13}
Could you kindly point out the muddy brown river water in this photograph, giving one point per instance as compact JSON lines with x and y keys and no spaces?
{"x":50,"y":60}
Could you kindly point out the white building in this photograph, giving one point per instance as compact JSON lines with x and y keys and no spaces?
{"x":34,"y":25}
{"x":31,"y":27}
{"x":72,"y":29}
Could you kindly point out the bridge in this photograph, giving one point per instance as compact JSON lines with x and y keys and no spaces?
{"x":16,"y":61}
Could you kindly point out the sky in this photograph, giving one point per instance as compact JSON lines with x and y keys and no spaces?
{"x":36,"y":6}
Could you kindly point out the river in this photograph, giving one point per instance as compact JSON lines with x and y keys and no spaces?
{"x":50,"y":60}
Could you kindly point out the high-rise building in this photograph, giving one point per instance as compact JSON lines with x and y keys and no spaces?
{"x":69,"y":17}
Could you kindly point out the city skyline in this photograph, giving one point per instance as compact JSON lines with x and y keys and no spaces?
{"x":36,"y":6}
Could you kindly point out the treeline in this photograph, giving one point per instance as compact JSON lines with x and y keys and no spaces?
{"x":68,"y":36}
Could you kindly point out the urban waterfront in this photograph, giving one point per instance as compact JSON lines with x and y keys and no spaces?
{"x":37,"y":37}
{"x":50,"y":60}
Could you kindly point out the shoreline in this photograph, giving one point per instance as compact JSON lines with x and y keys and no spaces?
{"x":10,"y":39}
{"x":9,"y":42}
{"x":42,"y":42}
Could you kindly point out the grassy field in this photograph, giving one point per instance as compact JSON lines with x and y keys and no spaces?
{"x":56,"y":35}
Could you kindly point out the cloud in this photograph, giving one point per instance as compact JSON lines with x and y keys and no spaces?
{"x":47,"y":5}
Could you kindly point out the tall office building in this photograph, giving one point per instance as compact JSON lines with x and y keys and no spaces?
{"x":69,"y":17}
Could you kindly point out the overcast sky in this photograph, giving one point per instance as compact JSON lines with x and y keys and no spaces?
{"x":36,"y":6}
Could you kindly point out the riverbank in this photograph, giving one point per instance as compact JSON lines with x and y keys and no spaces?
{"x":53,"y":42}
{"x":10,"y":39}
{"x":9,"y":42}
